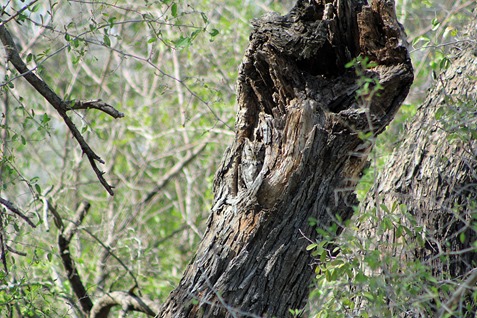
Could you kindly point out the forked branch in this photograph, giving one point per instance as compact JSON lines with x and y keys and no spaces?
{"x":64,"y":240}
{"x":59,"y":104}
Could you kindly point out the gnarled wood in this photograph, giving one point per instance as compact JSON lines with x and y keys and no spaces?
{"x":296,"y":154}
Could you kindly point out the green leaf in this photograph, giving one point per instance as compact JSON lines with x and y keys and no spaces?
{"x":435,"y":24}
{"x":439,"y":113}
{"x":38,"y":188}
{"x":350,"y":64}
{"x":204,"y":17}
{"x":369,"y":296}
{"x":361,"y":277}
{"x":445,"y":63}
{"x":424,"y":39}
{"x":399,"y":231}
{"x":384,"y":208}
{"x":45,"y":118}
{"x":174,"y":10}
{"x":35,"y":8}
{"x":311,"y":246}
{"x":182,"y":42}
{"x":195,"y":33}
{"x":214,"y":32}
{"x":107,"y":40}
{"x":462,"y":237}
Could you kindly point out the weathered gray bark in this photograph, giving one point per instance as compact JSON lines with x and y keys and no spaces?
{"x":296,"y":154}
{"x":434,"y":173}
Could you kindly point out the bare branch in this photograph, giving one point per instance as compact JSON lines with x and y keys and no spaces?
{"x":466,"y":286}
{"x":72,"y":228}
{"x":74,"y":278}
{"x":96,"y":104}
{"x":60,"y":105}
{"x":127,"y":301}
{"x":12,"y":208}
{"x":110,"y":252}
{"x":14,"y":251}
{"x":173,"y":172}
{"x":3,"y":254}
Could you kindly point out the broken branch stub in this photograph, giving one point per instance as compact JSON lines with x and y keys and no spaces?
{"x":296,"y":154}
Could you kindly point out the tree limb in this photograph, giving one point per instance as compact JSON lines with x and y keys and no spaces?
{"x":61,"y":106}
{"x":96,"y":104}
{"x":64,"y":240}
{"x":127,"y":301}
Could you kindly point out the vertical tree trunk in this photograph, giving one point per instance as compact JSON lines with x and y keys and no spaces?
{"x":296,"y":154}
{"x":434,"y":174}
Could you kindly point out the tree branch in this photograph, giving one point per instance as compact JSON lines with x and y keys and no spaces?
{"x":64,"y":240}
{"x":19,"y":11}
{"x":61,"y":106}
{"x":173,"y":172}
{"x":96,"y":104}
{"x":12,"y":208}
{"x":127,"y":301}
{"x":466,"y":286}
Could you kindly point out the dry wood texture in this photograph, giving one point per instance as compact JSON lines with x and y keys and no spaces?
{"x":296,"y":154}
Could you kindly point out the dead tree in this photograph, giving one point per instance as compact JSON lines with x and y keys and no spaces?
{"x":297,"y":154}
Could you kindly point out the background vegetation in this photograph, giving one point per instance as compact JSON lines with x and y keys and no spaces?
{"x":170,"y":67}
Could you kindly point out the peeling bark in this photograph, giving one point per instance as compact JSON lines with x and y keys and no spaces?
{"x":296,"y":154}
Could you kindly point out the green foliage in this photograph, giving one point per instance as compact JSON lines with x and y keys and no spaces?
{"x":360,"y":278}
{"x":360,"y":275}
{"x":170,"y":67}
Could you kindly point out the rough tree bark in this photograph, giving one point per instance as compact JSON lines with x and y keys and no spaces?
{"x":434,"y":173}
{"x":296,"y":154}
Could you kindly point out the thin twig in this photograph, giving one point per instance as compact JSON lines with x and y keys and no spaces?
{"x":466,"y":286}
{"x":20,"y":11}
{"x":173,"y":172}
{"x":110,"y":251}
{"x":14,"y":251}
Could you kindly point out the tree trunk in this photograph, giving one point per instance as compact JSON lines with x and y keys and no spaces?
{"x":434,"y":175}
{"x":296,"y":154}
